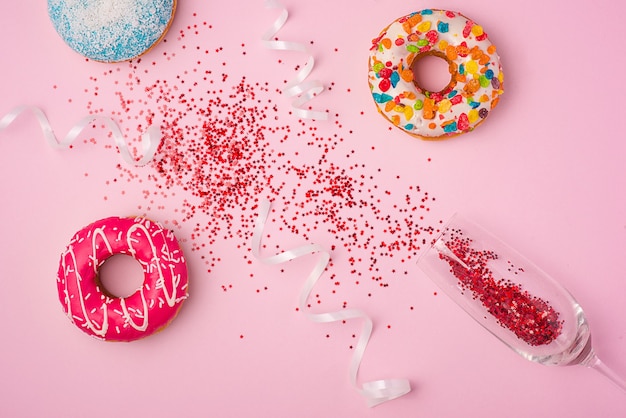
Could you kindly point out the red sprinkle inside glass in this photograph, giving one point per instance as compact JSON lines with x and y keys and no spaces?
{"x":529,"y":317}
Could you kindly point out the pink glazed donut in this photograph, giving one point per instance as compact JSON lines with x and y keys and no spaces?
{"x":151,"y":308}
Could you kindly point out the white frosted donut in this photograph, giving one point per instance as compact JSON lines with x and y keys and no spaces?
{"x":111,"y":30}
{"x":476,"y":78}
{"x":151,"y":308}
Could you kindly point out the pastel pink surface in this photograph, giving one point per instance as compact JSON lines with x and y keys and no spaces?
{"x":544,"y":172}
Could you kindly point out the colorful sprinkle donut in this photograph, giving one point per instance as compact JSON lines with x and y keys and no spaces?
{"x":151,"y":308}
{"x":476,"y":78}
{"x":111,"y":31}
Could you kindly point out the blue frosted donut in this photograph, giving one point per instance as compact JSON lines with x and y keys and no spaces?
{"x":111,"y":30}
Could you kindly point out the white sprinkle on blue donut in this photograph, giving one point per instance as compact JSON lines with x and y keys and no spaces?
{"x":111,"y":30}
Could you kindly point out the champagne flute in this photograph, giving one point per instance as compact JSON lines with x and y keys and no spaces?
{"x":511,"y":297}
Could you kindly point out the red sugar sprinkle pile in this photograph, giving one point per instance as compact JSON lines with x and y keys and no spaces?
{"x":226,"y":147}
{"x":532,"y":319}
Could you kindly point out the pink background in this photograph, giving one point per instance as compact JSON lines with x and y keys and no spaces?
{"x":545,"y":172}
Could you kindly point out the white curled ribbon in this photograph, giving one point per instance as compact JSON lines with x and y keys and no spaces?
{"x":150,"y":140}
{"x":303,"y":91}
{"x":375,"y":392}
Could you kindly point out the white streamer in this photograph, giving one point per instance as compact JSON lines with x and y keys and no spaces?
{"x":375,"y":392}
{"x":149,"y":140}
{"x":302,"y":91}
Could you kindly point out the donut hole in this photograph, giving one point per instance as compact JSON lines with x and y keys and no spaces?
{"x":431,"y":73}
{"x":120,"y":276}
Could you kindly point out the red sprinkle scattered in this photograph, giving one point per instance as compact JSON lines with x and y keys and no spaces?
{"x":230,"y":141}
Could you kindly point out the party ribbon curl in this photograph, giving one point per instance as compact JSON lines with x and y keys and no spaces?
{"x":303,"y":91}
{"x":375,"y":392}
{"x":150,"y":140}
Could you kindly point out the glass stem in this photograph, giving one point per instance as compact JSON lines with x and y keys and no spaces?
{"x":593,"y":361}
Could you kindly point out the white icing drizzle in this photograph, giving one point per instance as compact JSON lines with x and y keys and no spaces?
{"x":86,"y":321}
{"x":160,"y":284}
{"x":128,"y":318}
